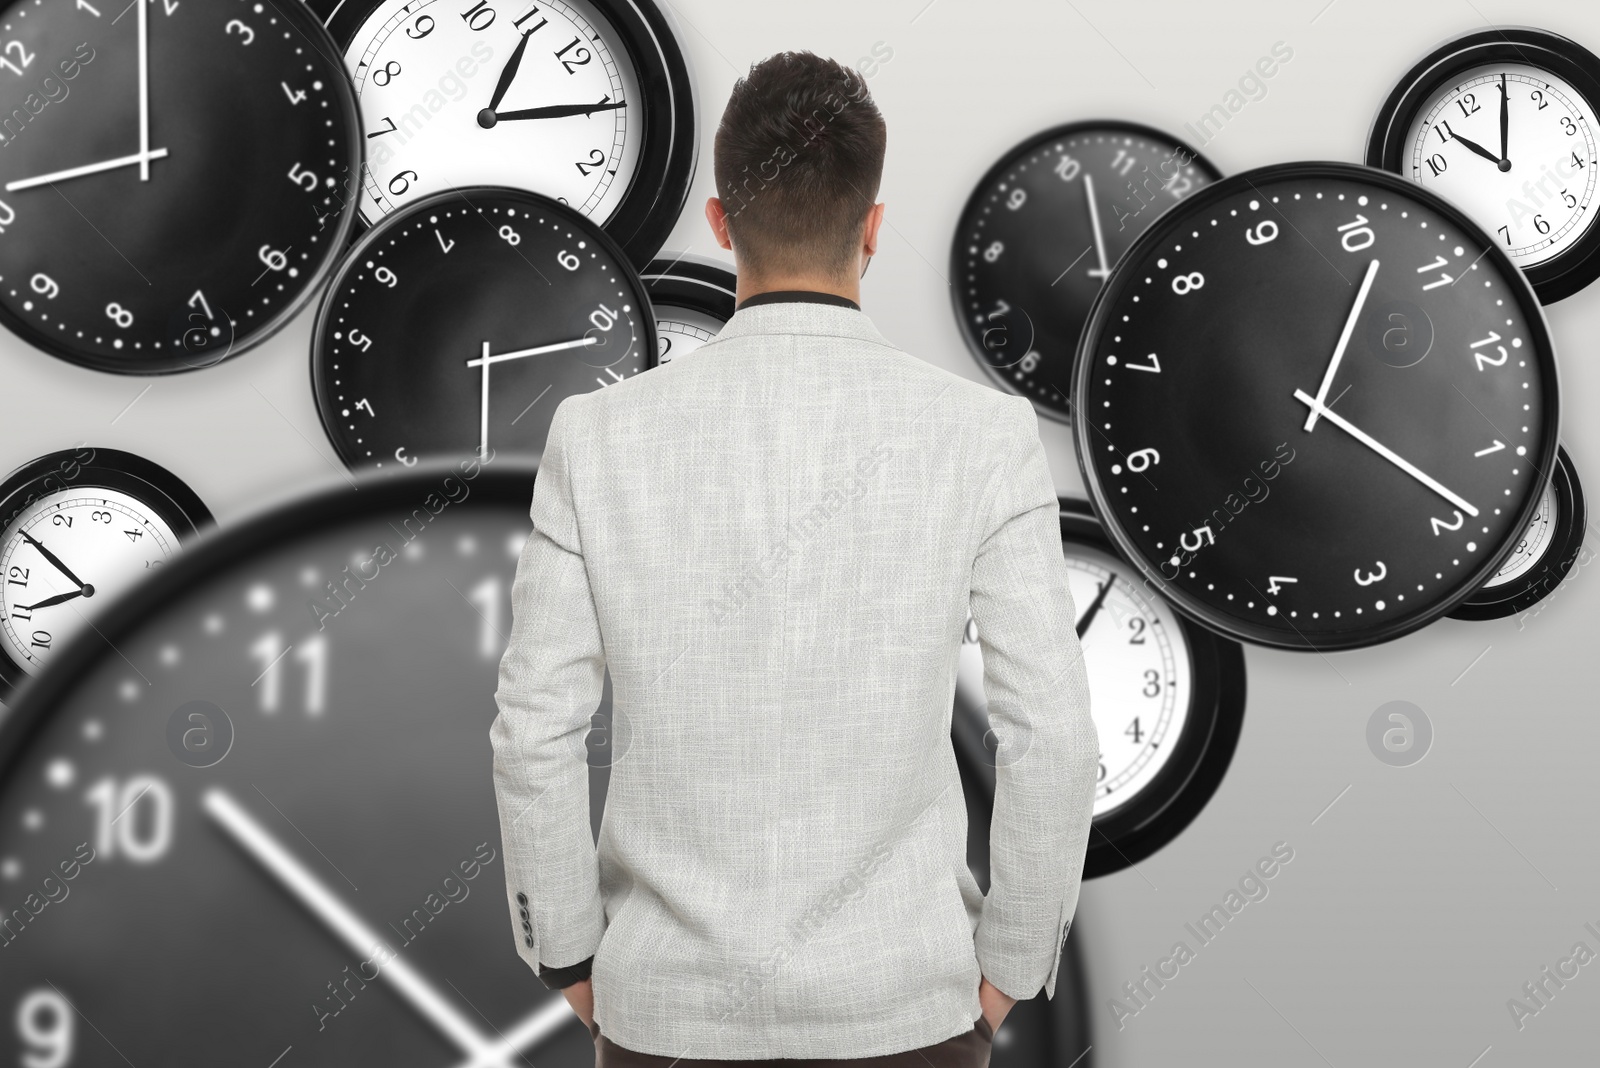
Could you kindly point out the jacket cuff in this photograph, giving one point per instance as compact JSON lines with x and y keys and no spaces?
{"x":559,"y":978}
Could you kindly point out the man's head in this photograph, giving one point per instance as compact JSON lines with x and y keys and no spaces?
{"x":799,"y":155}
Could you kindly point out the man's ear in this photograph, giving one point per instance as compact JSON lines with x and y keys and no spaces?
{"x":869,"y":240}
{"x":718,"y":218}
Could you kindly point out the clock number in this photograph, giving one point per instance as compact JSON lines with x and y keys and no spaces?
{"x":7,"y":216}
{"x":23,"y":56}
{"x":1029,"y":361}
{"x":63,"y":520}
{"x":1142,"y":459}
{"x":1568,"y":125}
{"x":417,"y":25}
{"x":1506,"y":233}
{"x":1357,"y":235}
{"x":1538,"y":94}
{"x":1439,"y":524}
{"x":1264,"y":231}
{"x":1202,"y":536}
{"x":1275,"y":583}
{"x":1444,"y":132}
{"x":117,"y":828}
{"x":1125,"y":158}
{"x":1152,"y":688}
{"x":41,"y":639}
{"x":1177,"y":190}
{"x":532,"y":11}
{"x":402,"y":181}
{"x":486,"y":596}
{"x":380,"y":133}
{"x":1444,"y":279}
{"x":510,"y":236}
{"x":1186,"y":283}
{"x":1137,"y":625}
{"x":384,"y":75}
{"x":597,"y":158}
{"x":119,"y":315}
{"x":1577,"y":164}
{"x":1068,"y":168}
{"x":1018,"y":197}
{"x":384,"y":276}
{"x":1570,"y":200}
{"x":603,"y":318}
{"x":201,"y":299}
{"x":1466,"y":99}
{"x":568,"y":260}
{"x":993,"y":252}
{"x":45,"y":286}
{"x":444,"y":246}
{"x":1541,"y":224}
{"x":1372,"y":576}
{"x":1154,"y":366}
{"x":1437,"y":164}
{"x":306,"y":179}
{"x":360,"y":340}
{"x":1496,"y":447}
{"x":273,"y":258}
{"x":44,"y":1022}
{"x":479,"y":16}
{"x":365,"y":403}
{"x":1489,"y":361}
{"x":84,"y":5}
{"x":235,"y":26}
{"x":294,"y":95}
{"x":571,"y":64}
{"x":400,"y":454}
{"x":15,"y":571}
{"x":171,"y":6}
{"x":313,"y":653}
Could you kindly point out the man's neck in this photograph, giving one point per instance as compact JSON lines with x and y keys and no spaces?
{"x":750,"y":287}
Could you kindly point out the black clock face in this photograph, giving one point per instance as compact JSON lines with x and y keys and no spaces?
{"x":586,"y":102}
{"x":456,"y":327}
{"x":280,"y":753}
{"x":175,"y":176}
{"x":692,"y":298}
{"x":1039,"y":236}
{"x":1320,"y":406}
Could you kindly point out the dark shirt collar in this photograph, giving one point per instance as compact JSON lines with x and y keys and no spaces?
{"x":790,"y":296}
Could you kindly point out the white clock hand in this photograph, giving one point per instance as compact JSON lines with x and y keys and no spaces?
{"x":144,"y":92}
{"x":1102,"y":272}
{"x":540,"y":1024}
{"x":141,"y":158}
{"x":1344,"y":339}
{"x":559,"y":346}
{"x":1383,"y":450}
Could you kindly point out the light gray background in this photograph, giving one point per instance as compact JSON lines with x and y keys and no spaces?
{"x":1424,"y":897}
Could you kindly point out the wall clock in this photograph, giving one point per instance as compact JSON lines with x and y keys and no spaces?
{"x":174,"y":181}
{"x":1324,"y":405}
{"x":1544,"y":554}
{"x":588,"y":101}
{"x":1502,"y":122}
{"x":352,"y":805}
{"x":78,"y":528}
{"x":1039,"y":235}
{"x":692,"y":299}
{"x":456,"y":326}
{"x":1167,"y":698}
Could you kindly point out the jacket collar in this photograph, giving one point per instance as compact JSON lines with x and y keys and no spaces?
{"x":795,"y":317}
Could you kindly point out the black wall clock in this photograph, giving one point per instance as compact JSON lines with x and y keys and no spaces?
{"x":1039,"y":235}
{"x":78,"y":528}
{"x":458,"y":324}
{"x":1324,"y":405}
{"x":174,"y":177}
{"x":1502,"y":122}
{"x":588,"y":101}
{"x":1167,"y":698}
{"x":1544,"y":554}
{"x":692,"y":299}
{"x":222,"y":755}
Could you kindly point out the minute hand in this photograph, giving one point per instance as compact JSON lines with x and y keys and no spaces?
{"x":561,"y":111}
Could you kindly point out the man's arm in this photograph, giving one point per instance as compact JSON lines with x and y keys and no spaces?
{"x":1038,"y":697}
{"x":550,"y":684}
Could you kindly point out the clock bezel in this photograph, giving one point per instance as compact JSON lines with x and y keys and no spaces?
{"x":669,"y":148}
{"x":1388,"y":140}
{"x":985,"y":185}
{"x":692,"y":282}
{"x":1520,"y":289}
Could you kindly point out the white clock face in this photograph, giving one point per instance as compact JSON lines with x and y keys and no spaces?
{"x":1536,"y":198}
{"x":1534,"y":544}
{"x":680,"y":331}
{"x":66,"y":556}
{"x":1139,"y":673}
{"x":448,"y":101}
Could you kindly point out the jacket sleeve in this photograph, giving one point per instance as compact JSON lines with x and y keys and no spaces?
{"x":1038,"y":698}
{"x":549,"y":688}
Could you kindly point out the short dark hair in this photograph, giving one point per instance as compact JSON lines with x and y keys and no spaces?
{"x":798,"y":159}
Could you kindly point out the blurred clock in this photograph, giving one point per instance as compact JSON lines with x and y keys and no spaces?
{"x":1167,"y":698}
{"x":280,"y":753}
{"x":1502,"y":122}
{"x":586,"y":101}
{"x":77,"y":529}
{"x":692,"y":298}
{"x":188,"y":197}
{"x":456,"y":326}
{"x":1544,"y":556}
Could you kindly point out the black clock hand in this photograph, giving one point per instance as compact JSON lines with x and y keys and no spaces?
{"x":1479,"y":149}
{"x":561,"y":111}
{"x":1094,"y":608}
{"x":84,"y":591}
{"x":50,"y":556}
{"x":1505,"y":160}
{"x":510,"y":72}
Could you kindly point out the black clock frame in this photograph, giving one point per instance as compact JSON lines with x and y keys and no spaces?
{"x":1162,"y":810}
{"x":986,"y":184}
{"x":1159,"y":232}
{"x":158,"y":489}
{"x":687,"y":281}
{"x":670,"y":148}
{"x":1539,"y":581}
{"x":1387,"y":141}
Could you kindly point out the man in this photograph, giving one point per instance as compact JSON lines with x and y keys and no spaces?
{"x":773,"y":544}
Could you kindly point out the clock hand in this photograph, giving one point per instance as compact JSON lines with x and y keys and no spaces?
{"x":1344,"y":339}
{"x":144,"y":94}
{"x":1102,"y":272}
{"x":53,"y":558}
{"x":1474,"y":146}
{"x":1505,"y":160}
{"x":561,"y":111}
{"x":140,"y":158}
{"x":1094,"y":608}
{"x":559,"y":346}
{"x":1383,"y":450}
{"x":84,"y":591}
{"x":483,"y":407}
{"x":539,"y":1024}
{"x":509,"y":72}
{"x":309,"y":891}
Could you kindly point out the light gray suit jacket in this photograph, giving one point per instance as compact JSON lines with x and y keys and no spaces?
{"x":773,"y":544}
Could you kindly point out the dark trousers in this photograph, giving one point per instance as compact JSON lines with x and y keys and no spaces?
{"x":968,"y":1050}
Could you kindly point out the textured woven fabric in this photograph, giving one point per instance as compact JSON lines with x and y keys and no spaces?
{"x":772,"y":544}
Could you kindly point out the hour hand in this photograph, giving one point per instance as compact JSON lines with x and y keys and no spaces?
{"x":83,"y":591}
{"x":1475,"y":147}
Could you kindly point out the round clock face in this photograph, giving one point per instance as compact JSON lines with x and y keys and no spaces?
{"x":80,"y":528}
{"x":1167,"y":699}
{"x":547,"y":96}
{"x":456,"y":327}
{"x":692,"y":298}
{"x":175,"y":181}
{"x":1322,"y":402}
{"x":1501,"y":123}
{"x":281,"y":754}
{"x":1039,"y":236}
